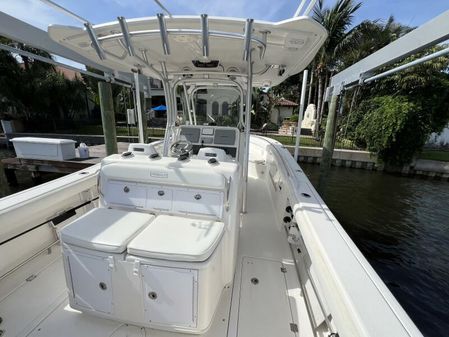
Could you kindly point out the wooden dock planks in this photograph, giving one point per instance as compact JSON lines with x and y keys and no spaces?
{"x":36,"y":166}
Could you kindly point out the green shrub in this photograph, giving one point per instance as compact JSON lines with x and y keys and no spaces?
{"x":393,"y":127}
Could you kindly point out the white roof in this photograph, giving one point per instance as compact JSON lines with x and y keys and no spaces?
{"x":178,"y":239}
{"x":106,"y":230}
{"x":291,"y":45}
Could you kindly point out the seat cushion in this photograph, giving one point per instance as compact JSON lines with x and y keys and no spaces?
{"x":177,"y":238}
{"x":106,"y":230}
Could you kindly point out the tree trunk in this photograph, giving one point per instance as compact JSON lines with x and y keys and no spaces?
{"x":326,"y":83}
{"x":351,"y":107}
{"x":309,"y":98}
{"x":318,"y":106}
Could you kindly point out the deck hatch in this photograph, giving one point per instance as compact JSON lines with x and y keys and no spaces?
{"x":259,"y":300}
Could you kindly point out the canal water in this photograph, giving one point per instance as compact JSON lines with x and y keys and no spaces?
{"x":400,"y":224}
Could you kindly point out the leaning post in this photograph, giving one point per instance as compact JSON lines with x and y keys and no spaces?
{"x":328,"y":145}
{"x":108,"y":117}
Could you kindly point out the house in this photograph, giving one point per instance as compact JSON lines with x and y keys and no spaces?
{"x":283,"y":108}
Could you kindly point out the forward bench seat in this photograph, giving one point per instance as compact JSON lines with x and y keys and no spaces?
{"x":163,"y":272}
{"x":92,"y":247}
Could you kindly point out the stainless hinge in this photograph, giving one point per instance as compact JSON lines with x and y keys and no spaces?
{"x":111,"y":262}
{"x":136,"y":268}
{"x":294,"y":327}
{"x":283,"y":269}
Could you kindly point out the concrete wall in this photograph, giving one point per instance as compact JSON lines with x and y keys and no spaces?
{"x":365,"y":160}
{"x":347,"y":158}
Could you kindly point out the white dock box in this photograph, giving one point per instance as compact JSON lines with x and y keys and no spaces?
{"x":44,"y":148}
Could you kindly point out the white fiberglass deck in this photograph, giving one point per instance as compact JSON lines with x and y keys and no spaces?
{"x":263,"y":302}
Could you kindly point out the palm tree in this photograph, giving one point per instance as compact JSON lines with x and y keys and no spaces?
{"x":370,"y":36}
{"x":337,"y":21}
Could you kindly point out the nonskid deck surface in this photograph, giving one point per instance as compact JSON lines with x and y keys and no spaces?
{"x":265,"y":300}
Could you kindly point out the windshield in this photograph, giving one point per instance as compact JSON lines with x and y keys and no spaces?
{"x":209,"y":106}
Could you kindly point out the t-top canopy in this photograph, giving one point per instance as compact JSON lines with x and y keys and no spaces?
{"x":187,"y":44}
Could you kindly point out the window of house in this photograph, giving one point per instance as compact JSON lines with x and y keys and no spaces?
{"x":225,"y":108}
{"x":215,"y":108}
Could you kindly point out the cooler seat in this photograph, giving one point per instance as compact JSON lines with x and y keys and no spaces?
{"x":175,"y":238}
{"x":105,"y":230}
{"x":180,"y":264}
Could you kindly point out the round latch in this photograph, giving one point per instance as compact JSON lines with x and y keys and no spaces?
{"x":103,"y":286}
{"x":197,"y":196}
{"x":255,"y":280}
{"x":126,"y":189}
{"x":160,"y":193}
{"x":152,"y":295}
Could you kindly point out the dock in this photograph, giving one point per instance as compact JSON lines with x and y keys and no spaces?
{"x":38,"y":166}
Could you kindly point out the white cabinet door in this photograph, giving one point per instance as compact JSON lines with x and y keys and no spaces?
{"x":123,"y":193}
{"x":198,"y":202}
{"x":91,"y":280}
{"x":170,"y":296}
{"x":159,"y":198}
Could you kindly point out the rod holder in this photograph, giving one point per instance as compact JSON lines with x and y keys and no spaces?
{"x":164,"y":33}
{"x":264,"y":42}
{"x":145,"y":56}
{"x":95,"y":42}
{"x":126,"y":37}
{"x":247,"y":38}
{"x":205,"y":34}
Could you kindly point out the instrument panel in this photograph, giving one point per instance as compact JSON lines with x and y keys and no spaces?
{"x":226,"y":138}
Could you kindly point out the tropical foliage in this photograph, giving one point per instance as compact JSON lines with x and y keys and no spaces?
{"x":396,"y":115}
{"x":392,"y":117}
{"x":35,"y":91}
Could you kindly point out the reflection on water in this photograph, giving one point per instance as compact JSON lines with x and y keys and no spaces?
{"x":401,"y":225}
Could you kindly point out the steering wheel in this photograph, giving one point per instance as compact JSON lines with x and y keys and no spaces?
{"x":181,"y":147}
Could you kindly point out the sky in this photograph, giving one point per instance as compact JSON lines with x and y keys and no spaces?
{"x":409,"y":12}
{"x":35,"y":12}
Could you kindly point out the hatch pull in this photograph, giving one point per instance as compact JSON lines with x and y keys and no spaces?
{"x":294,"y":327}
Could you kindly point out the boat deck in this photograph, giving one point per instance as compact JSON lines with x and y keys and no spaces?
{"x":265,"y":300}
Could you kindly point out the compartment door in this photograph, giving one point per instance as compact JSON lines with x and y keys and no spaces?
{"x":198,"y":202}
{"x":91,"y":280}
{"x":127,"y":194}
{"x":170,"y":295}
{"x":159,"y":198}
